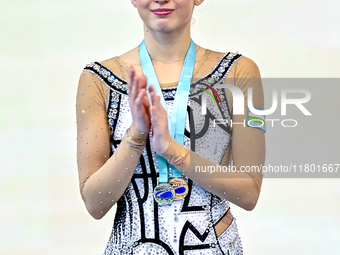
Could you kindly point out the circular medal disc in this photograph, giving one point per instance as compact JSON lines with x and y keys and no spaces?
{"x":181,"y":188}
{"x":164,"y":194}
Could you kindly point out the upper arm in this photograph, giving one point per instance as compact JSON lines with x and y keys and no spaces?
{"x":248,"y":143}
{"x":93,"y":142}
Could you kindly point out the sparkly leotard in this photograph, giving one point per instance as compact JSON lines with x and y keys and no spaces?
{"x":108,"y":147}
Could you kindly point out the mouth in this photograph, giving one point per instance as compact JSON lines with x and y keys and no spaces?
{"x":162,"y":12}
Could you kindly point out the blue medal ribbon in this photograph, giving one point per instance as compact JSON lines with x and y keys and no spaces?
{"x":177,"y":118}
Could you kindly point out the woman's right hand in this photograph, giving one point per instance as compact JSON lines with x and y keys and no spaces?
{"x":138,"y":100}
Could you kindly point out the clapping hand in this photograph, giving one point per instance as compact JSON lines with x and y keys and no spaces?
{"x":139,"y":101}
{"x":160,"y":130}
{"x":142,"y":111}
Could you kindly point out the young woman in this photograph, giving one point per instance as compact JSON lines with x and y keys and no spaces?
{"x":141,"y":139}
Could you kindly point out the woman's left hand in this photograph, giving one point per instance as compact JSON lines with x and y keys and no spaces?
{"x":160,"y":130}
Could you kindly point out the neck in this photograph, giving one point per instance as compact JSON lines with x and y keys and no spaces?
{"x":167,"y":47}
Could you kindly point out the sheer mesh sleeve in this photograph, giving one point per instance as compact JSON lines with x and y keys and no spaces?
{"x":248,"y":147}
{"x":103,"y":179}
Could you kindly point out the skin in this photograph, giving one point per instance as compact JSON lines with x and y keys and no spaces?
{"x":167,"y":38}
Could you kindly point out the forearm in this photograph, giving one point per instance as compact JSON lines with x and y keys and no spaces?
{"x":103,"y":188}
{"x":237,"y":187}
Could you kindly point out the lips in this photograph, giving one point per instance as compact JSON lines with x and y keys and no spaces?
{"x":162,"y":11}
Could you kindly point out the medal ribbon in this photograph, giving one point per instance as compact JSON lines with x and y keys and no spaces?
{"x":177,"y":118}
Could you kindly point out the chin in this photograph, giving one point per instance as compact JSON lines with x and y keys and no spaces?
{"x":162,"y":26}
{"x":165,"y":27}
